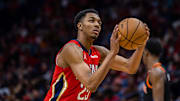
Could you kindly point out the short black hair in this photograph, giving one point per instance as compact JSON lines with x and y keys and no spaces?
{"x":154,"y":46}
{"x":81,"y":14}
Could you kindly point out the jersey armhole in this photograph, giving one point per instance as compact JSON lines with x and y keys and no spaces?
{"x":72,"y":41}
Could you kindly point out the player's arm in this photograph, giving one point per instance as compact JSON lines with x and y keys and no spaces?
{"x":73,"y":56}
{"x":120,"y":63}
{"x":157,"y":80}
{"x":131,"y":64}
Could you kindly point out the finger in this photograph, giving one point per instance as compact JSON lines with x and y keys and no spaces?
{"x":146,"y":26}
{"x":116,"y":32}
{"x":115,"y":28}
{"x":146,"y":40}
{"x":148,"y":33}
{"x":114,"y":35}
{"x":119,"y":37}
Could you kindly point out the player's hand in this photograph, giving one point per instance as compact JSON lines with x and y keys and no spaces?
{"x":148,"y":34}
{"x":114,"y":41}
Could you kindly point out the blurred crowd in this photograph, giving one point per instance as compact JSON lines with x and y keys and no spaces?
{"x":32,"y":32}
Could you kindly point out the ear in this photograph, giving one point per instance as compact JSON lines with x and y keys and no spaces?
{"x":79,"y":25}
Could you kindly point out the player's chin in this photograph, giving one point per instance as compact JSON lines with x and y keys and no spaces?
{"x":95,"y":36}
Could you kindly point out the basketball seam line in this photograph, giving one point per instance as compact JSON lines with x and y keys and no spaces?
{"x":127,"y":29}
{"x":126,"y":33}
{"x":135,"y":30}
{"x":128,"y":40}
{"x":133,"y":33}
{"x":139,"y":37}
{"x":123,"y":36}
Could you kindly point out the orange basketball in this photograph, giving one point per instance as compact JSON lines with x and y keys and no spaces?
{"x":132,"y":32}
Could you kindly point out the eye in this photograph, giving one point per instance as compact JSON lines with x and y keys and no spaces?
{"x":100,"y":23}
{"x":91,"y":20}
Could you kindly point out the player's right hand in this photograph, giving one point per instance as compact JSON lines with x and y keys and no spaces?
{"x":147,"y":32}
{"x":114,"y":41}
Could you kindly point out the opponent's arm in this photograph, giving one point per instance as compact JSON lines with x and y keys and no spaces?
{"x":73,"y":56}
{"x":157,"y":80}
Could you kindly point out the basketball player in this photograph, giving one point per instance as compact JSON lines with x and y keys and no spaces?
{"x":82,"y":66}
{"x":156,"y":84}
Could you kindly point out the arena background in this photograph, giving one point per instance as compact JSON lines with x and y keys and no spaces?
{"x":32,"y":32}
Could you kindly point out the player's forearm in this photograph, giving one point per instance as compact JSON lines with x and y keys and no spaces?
{"x":135,"y":59}
{"x":100,"y":74}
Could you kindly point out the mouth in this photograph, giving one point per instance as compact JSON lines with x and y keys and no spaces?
{"x":96,"y":32}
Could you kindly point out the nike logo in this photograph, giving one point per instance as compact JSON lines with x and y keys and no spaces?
{"x":94,"y":56}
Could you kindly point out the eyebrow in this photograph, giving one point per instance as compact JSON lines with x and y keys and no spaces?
{"x":95,"y":18}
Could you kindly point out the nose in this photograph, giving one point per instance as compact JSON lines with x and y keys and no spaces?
{"x":97,"y":25}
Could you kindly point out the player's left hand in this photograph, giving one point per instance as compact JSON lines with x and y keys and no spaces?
{"x":114,"y":41}
{"x":148,"y":34}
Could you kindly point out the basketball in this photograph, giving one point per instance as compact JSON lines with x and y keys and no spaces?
{"x":133,"y":33}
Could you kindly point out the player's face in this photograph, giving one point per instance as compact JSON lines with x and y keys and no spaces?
{"x":91,"y":25}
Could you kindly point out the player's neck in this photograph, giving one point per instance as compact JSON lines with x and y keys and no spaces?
{"x":87,"y":43}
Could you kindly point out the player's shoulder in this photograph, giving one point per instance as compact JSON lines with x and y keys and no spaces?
{"x":72,"y":53}
{"x":157,"y":72}
{"x":71,"y":48}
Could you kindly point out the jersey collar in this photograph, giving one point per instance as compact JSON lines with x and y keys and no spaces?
{"x":83,"y":47}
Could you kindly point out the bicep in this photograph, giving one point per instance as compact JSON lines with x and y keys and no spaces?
{"x":73,"y":56}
